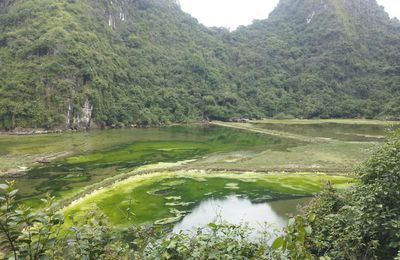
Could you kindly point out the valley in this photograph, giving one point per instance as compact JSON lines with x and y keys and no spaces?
{"x":130,"y":130}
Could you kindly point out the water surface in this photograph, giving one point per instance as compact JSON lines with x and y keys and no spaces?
{"x":238,"y":210}
{"x":96,"y":155}
{"x":165,"y":199}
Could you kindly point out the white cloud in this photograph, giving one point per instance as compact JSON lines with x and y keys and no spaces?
{"x":228,"y":13}
{"x":232,"y":13}
{"x":392,"y":7}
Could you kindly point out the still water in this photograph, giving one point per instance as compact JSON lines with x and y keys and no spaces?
{"x":94,"y":156}
{"x":238,"y":210}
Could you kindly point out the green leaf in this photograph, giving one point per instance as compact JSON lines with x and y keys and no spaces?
{"x":308,"y":230}
{"x":212,"y":225}
{"x":166,"y":255}
{"x":278,"y":243}
{"x":12,"y":193}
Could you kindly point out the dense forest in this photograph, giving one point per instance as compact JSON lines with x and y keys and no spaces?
{"x":73,"y":64}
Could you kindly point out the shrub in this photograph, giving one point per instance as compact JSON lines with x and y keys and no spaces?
{"x":364,"y":221}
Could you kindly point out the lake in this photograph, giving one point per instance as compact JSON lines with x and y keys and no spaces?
{"x":237,"y":175}
{"x":97,"y":155}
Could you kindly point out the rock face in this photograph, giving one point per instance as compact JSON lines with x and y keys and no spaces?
{"x":114,"y":13}
{"x":79,"y":118}
{"x":4,"y":3}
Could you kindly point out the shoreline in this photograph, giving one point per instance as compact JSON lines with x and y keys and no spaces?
{"x":41,"y":131}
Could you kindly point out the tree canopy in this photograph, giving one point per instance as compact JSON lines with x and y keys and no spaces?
{"x":148,"y":62}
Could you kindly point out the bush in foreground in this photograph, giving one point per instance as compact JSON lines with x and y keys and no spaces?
{"x":364,"y":222}
{"x":26,"y":234}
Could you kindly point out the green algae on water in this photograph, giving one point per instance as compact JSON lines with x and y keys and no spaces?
{"x":153,"y":202}
{"x":94,"y":156}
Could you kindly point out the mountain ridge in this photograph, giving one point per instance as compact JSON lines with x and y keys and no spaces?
{"x":77,"y":64}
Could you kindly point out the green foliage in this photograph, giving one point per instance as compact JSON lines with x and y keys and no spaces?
{"x":293,"y":241}
{"x":362,"y":222}
{"x":147,"y":62}
{"x":283,"y":116}
{"x":28,"y":234}
{"x":321,"y":59}
{"x":136,"y":62}
{"x":92,"y":237}
{"x":218,"y":241}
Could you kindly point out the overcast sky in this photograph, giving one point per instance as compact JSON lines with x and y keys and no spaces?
{"x":232,"y":13}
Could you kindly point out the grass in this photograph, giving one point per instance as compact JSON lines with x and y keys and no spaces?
{"x":253,"y":128}
{"x":327,"y":157}
{"x":336,"y":145}
{"x":333,"y":131}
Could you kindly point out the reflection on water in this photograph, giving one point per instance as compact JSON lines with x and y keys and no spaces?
{"x":237,"y":210}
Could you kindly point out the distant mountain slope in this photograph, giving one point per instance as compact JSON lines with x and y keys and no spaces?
{"x":329,"y":58}
{"x":110,"y":62}
{"x":69,"y":63}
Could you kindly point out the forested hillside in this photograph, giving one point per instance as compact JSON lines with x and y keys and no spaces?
{"x":325,"y":58}
{"x":71,"y":64}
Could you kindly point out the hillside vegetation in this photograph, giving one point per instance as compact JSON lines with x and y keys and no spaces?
{"x":73,"y":64}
